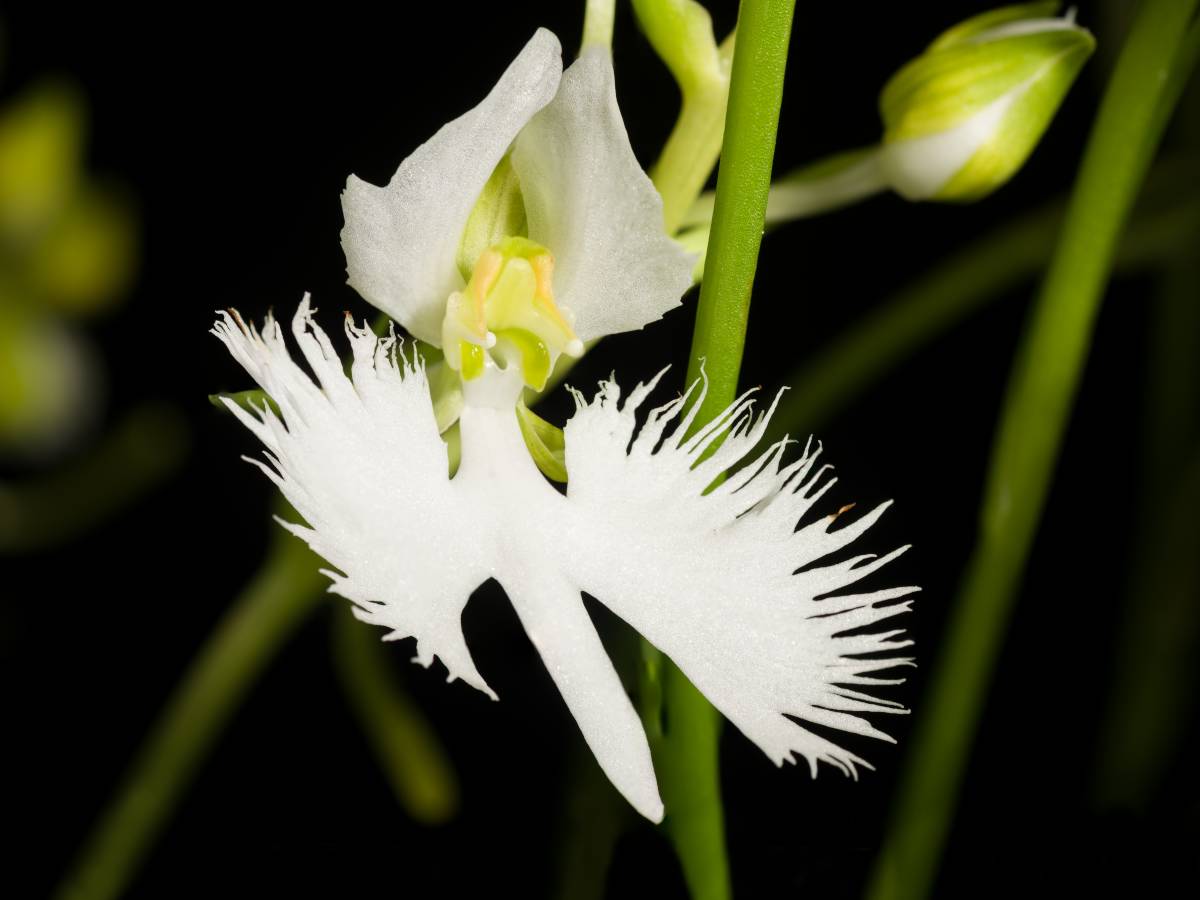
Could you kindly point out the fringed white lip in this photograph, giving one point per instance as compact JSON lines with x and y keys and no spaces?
{"x":723,"y":582}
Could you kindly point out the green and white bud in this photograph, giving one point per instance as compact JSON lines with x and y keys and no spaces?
{"x":961,"y":118}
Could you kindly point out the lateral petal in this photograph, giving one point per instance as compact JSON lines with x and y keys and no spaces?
{"x":401,"y":240}
{"x":588,"y":200}
{"x":710,"y":576}
{"x":362,"y":462}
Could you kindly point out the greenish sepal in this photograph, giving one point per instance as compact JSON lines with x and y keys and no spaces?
{"x":498,"y":213}
{"x":251,"y":401}
{"x":976,"y":25}
{"x":445,"y":392}
{"x":546,"y":443}
{"x":535,"y":355}
{"x":941,"y":89}
{"x":453,"y":439}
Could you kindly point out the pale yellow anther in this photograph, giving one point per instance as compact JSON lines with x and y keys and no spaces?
{"x":543,"y":270}
{"x":483,"y":279}
{"x":509,"y":298}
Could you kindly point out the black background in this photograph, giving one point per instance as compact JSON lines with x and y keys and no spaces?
{"x":236,"y":128}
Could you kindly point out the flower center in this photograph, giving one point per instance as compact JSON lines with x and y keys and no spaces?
{"x":508,"y":308}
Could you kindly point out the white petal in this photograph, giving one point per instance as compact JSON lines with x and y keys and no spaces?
{"x":709,"y":578}
{"x":362,"y":462}
{"x":400,"y":241}
{"x":553,"y":615}
{"x":515,"y":506}
{"x":590,"y":203}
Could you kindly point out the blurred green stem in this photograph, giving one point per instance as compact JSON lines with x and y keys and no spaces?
{"x":141,"y":450}
{"x":268,"y":610}
{"x":822,"y":187}
{"x":1149,"y":74}
{"x":1155,"y":665}
{"x":959,"y":286}
{"x":405,"y":745}
{"x":594,"y":816}
{"x":684,"y":728}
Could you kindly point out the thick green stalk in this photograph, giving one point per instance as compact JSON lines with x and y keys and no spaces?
{"x":140,"y":452}
{"x":405,"y":744}
{"x":686,"y":749}
{"x":1127,"y":131}
{"x":273,"y":603}
{"x":743,"y":183}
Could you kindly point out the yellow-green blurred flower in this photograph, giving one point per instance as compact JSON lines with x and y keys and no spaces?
{"x":68,"y":248}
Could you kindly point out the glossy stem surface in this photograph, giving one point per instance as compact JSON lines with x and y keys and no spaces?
{"x":683,"y":726}
{"x":1145,"y":84}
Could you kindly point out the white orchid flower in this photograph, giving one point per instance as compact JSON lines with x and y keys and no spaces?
{"x":720,"y":580}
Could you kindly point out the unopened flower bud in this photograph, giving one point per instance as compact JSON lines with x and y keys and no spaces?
{"x":961,"y":118}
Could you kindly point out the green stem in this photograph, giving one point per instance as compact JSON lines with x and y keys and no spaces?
{"x":685,"y":739}
{"x":139,"y":453}
{"x":1153,"y":690}
{"x":743,"y":184}
{"x":830,"y":184}
{"x":405,"y":744}
{"x":1043,"y":384}
{"x":598,"y":23}
{"x":959,"y":286}
{"x":275,"y":601}
{"x":1155,"y":662}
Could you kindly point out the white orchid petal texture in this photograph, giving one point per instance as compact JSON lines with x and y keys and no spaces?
{"x":401,"y":240}
{"x":721,"y":579}
{"x":588,"y":200}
